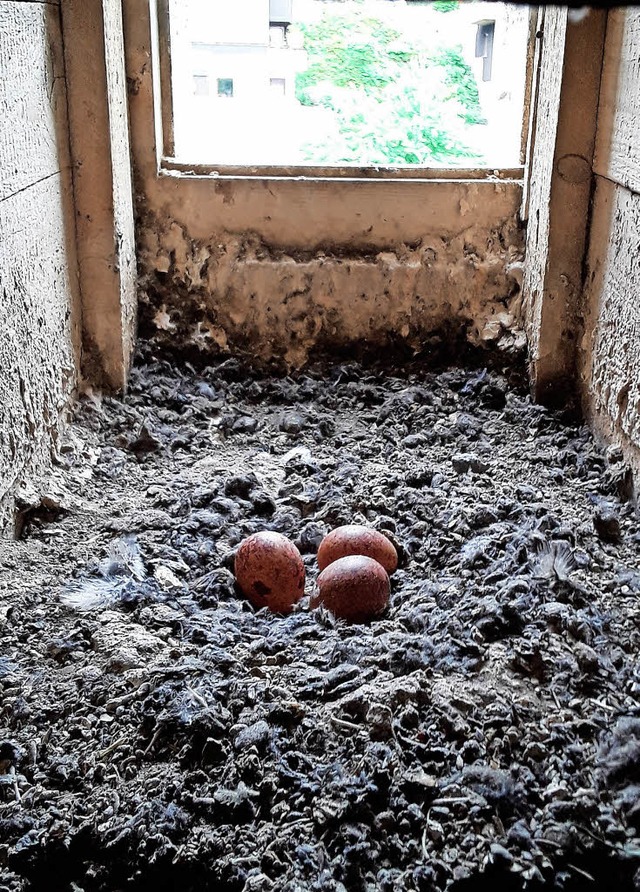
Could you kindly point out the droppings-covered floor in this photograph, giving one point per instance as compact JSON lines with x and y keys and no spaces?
{"x":158,"y":733}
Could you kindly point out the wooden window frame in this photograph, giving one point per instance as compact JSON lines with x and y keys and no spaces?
{"x":165,"y":133}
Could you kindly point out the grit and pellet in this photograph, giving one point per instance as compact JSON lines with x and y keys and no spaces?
{"x":159,"y":732}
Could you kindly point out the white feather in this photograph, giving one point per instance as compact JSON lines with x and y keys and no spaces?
{"x":122,"y":567}
{"x":577,"y":15}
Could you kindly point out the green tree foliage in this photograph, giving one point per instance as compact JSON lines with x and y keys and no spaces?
{"x":445,"y":5}
{"x":340,"y":55}
{"x":391,"y":102}
{"x":459,"y":77}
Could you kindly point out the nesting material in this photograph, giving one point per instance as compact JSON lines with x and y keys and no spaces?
{"x":480,"y":734}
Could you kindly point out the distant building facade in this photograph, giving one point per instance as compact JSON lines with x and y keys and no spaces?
{"x":236,"y":51}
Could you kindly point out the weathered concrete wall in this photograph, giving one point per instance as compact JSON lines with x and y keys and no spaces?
{"x":217,"y":289}
{"x":38,"y":300}
{"x":284,"y":266}
{"x":610,"y":349}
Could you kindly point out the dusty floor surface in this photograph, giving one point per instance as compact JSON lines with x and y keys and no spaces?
{"x":156,"y":732}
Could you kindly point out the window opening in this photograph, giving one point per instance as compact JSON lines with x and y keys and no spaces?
{"x":278,"y":85}
{"x":200,"y":85}
{"x":278,"y":36}
{"x":281,"y":11}
{"x":361,"y":83}
{"x":225,"y":87}
{"x":484,"y":47}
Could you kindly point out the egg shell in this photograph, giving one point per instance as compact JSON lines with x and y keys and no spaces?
{"x":355,"y":588}
{"x":356,"y":539}
{"x":269,"y":571}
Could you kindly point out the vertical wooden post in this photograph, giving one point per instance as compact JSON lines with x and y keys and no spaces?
{"x":561,"y":179}
{"x":99,"y":136}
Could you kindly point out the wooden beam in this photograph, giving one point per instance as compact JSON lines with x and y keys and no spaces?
{"x":561,"y":182}
{"x":99,"y":133}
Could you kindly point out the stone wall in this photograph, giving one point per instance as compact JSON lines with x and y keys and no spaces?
{"x":39,"y":316}
{"x":610,"y":348}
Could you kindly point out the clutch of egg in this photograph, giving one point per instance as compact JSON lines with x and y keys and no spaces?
{"x":269,"y":571}
{"x":357,"y":539}
{"x":354,"y":588}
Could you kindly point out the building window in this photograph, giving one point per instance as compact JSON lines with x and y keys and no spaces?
{"x":398,"y":87}
{"x":281,"y":11}
{"x":484,"y":47}
{"x":278,"y":36}
{"x":225,"y":87}
{"x":200,"y":85}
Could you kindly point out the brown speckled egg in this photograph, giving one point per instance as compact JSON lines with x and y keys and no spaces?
{"x":354,"y":588}
{"x":356,"y":539}
{"x":269,"y":571}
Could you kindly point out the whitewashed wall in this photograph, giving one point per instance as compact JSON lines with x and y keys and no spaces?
{"x":610,"y":360}
{"x":38,"y":320}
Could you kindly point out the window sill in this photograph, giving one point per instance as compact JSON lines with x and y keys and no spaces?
{"x":171,"y":167}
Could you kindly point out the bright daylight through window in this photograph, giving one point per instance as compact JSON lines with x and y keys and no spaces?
{"x":381,"y":83}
